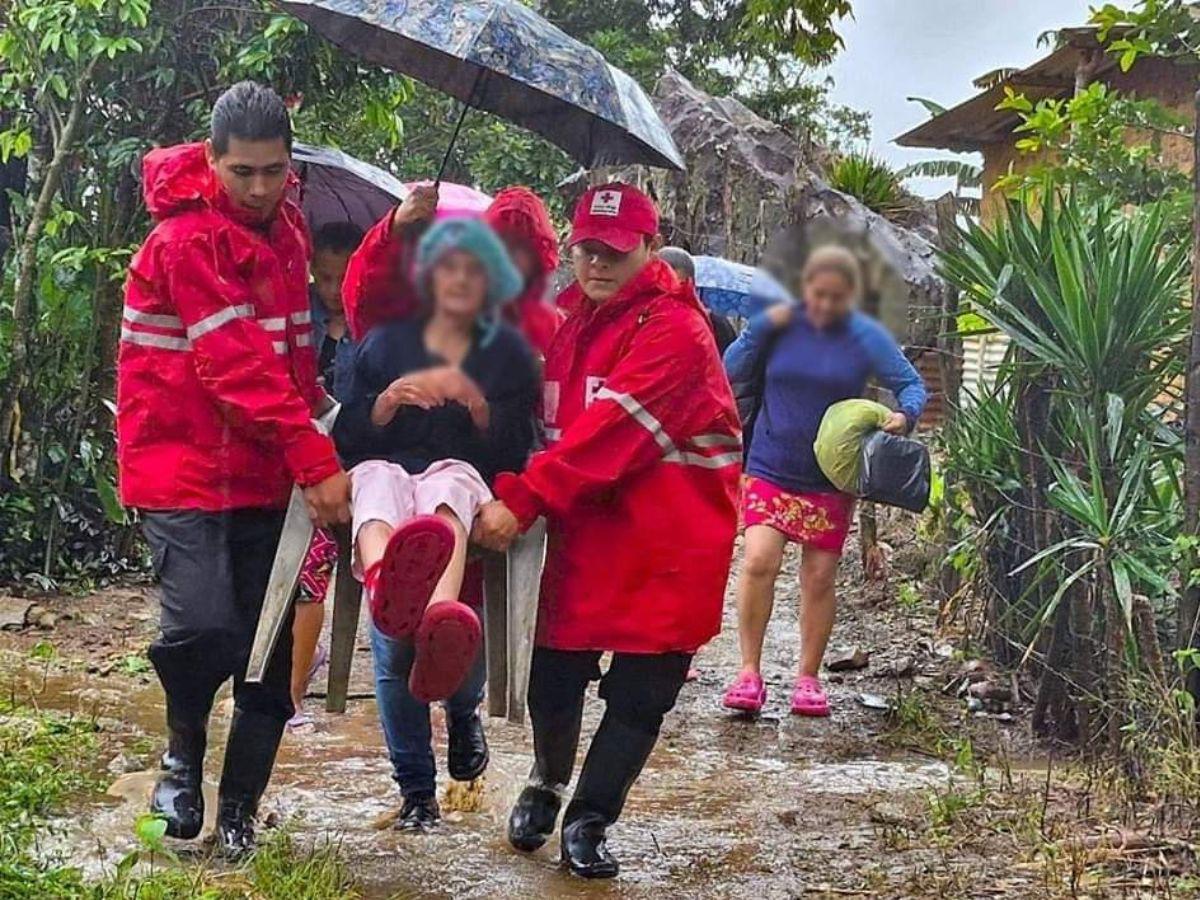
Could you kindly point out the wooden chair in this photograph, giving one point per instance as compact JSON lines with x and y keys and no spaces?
{"x":505,"y":688}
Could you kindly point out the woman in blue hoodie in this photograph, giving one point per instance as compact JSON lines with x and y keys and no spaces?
{"x":810,"y":356}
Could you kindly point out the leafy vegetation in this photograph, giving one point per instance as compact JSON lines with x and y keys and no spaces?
{"x":43,"y":759}
{"x":873,"y":183}
{"x":46,"y":758}
{"x":1107,"y":145}
{"x":967,"y":177}
{"x":1070,"y":464}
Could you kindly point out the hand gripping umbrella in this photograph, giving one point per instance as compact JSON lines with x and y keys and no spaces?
{"x":337,"y":187}
{"x":502,"y":57}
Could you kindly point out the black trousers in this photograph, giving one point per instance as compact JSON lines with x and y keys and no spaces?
{"x":638,"y":690}
{"x":213,"y":569}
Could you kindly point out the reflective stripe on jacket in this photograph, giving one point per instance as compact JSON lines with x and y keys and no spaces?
{"x":639,"y":481}
{"x":216,"y":369}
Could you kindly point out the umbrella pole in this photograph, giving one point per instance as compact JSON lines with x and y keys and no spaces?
{"x":453,"y":140}
{"x":458,"y":127}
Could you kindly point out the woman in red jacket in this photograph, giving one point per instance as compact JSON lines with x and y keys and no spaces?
{"x":638,"y":484}
{"x":520,"y":218}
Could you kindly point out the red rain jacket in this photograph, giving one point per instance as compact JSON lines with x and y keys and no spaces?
{"x":639,"y":481}
{"x":519,"y":212}
{"x":217,"y":376}
{"x":378,"y":283}
{"x":377,"y":286}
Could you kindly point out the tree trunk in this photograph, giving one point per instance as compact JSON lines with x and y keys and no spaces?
{"x":949,"y":347}
{"x":1052,"y":709}
{"x":22,"y":314}
{"x":1149,"y":650}
{"x":108,"y":313}
{"x":1115,"y":699}
{"x":1189,"y":603}
{"x":874,"y":566}
{"x":1083,"y":670}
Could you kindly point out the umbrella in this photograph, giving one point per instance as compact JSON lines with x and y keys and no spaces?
{"x":336,"y":187}
{"x":458,"y":200}
{"x":502,"y":57}
{"x":735,"y":289}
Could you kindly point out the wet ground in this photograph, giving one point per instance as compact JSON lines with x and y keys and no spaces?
{"x":728,"y":807}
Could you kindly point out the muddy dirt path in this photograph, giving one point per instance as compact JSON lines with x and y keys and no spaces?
{"x":770,"y":808}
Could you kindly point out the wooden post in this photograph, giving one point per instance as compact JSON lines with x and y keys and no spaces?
{"x":495,"y":619}
{"x":1189,"y":602}
{"x":949,"y":346}
{"x":347,"y":601}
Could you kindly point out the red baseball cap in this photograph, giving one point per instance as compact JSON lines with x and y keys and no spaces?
{"x":616,"y":214}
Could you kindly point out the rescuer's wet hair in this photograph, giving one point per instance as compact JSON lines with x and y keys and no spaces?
{"x":249,"y":111}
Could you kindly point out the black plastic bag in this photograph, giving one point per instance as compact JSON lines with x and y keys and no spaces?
{"x":895,"y":471}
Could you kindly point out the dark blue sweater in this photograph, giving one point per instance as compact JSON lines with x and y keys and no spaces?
{"x":504,"y":369}
{"x":808,"y":370}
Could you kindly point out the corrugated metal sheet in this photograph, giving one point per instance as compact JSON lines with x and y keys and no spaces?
{"x":982,"y":356}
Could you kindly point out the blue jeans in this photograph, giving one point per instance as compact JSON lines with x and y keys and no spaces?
{"x":406,"y":721}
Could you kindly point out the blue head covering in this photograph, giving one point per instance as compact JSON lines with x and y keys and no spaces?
{"x":504,"y":282}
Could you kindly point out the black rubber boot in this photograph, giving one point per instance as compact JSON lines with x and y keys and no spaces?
{"x":249,"y":758}
{"x":534,"y":816}
{"x":555,"y":743}
{"x":178,"y":794}
{"x":467,"y":755}
{"x":613,"y":764}
{"x":419,"y":813}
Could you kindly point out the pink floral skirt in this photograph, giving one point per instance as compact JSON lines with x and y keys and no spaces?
{"x":819,"y":520}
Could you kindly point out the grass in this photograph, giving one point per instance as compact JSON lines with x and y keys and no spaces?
{"x":46,"y":758}
{"x":908,"y":596}
{"x":43,"y":759}
{"x":133,"y":665}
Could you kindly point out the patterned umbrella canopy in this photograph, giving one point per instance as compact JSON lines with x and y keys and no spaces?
{"x":735,"y":289}
{"x":502,"y":57}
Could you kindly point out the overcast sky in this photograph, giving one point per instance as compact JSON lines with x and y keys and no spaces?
{"x":934,"y":48}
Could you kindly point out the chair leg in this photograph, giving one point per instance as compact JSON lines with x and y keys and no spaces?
{"x":495,"y":619}
{"x":347,"y":602}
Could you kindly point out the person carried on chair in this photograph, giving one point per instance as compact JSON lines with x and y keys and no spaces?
{"x":638,"y":485}
{"x":437,"y":404}
{"x":217,"y":388}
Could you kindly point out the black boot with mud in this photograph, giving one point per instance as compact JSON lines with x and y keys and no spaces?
{"x":178,"y":795}
{"x":467,"y":755}
{"x":614,"y":761}
{"x":556,"y":719}
{"x":249,"y":758}
{"x":533,"y":817}
{"x":419,"y":813}
{"x":584,"y":849}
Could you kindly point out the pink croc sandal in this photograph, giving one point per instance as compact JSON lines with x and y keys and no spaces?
{"x":808,"y":697}
{"x":747,"y":694}
{"x":400,"y":584}
{"x":445,"y":647}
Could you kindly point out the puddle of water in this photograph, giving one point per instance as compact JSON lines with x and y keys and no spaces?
{"x":704,"y":819}
{"x":867,"y":776}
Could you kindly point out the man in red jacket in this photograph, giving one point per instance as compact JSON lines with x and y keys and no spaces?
{"x":638,"y":484}
{"x":216,"y":393}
